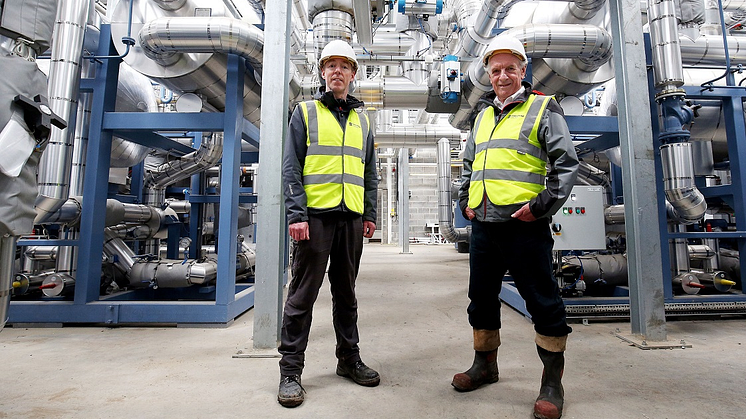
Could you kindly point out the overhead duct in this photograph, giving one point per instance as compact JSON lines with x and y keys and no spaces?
{"x":417,"y":135}
{"x":709,"y":50}
{"x":64,"y":79}
{"x":201,"y":73}
{"x":588,"y":45}
{"x":445,"y":206}
{"x":391,"y":92}
{"x":166,"y":39}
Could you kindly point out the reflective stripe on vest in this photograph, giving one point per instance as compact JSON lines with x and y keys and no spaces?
{"x":334,"y":169}
{"x":509,"y":164}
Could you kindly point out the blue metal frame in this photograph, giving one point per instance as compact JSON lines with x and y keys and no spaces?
{"x":221,"y":303}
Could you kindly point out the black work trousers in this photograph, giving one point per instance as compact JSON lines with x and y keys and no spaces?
{"x":525,"y":250}
{"x":338,"y":238}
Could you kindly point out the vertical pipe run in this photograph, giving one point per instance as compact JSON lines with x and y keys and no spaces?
{"x":64,"y":80}
{"x":664,"y":36}
{"x":403,"y":211}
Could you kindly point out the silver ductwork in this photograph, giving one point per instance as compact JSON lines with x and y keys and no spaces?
{"x":588,"y":45}
{"x":200,"y":73}
{"x":64,"y":79}
{"x":208,"y":155}
{"x":329,"y":25}
{"x":391,"y":92}
{"x":664,"y":38}
{"x":709,"y":50}
{"x":688,"y":204}
{"x":445,"y":206}
{"x":166,"y":39}
{"x":416,"y":135}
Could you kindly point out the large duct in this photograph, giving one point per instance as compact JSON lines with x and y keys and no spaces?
{"x":201,"y":73}
{"x":709,"y":50}
{"x":391,"y":92}
{"x":445,"y":207}
{"x":166,"y":39}
{"x":64,"y":78}
{"x":667,"y":71}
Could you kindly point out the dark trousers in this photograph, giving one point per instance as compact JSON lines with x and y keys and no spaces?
{"x":525,"y":250}
{"x":338,"y":238}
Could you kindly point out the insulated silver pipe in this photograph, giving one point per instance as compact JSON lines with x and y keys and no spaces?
{"x":330,"y":25}
{"x":445,"y":207}
{"x":709,"y":50}
{"x":114,"y":246}
{"x":208,"y":155}
{"x":201,"y":73}
{"x":64,"y":78}
{"x":417,"y":135}
{"x":392,"y":92}
{"x":38,"y":253}
{"x":614,"y":214}
{"x":589,"y":45}
{"x":166,"y":38}
{"x":664,"y":37}
{"x":687,"y":202}
{"x":169,"y":273}
{"x":477,"y":35}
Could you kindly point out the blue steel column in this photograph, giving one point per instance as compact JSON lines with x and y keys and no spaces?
{"x":95,"y":184}
{"x":229,"y":176}
{"x":733,"y":106}
{"x":270,"y":231}
{"x":647,"y":314}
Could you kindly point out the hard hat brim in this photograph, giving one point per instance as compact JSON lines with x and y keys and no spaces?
{"x":513,"y":52}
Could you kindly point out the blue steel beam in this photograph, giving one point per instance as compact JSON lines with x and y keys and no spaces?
{"x":95,"y":185}
{"x":153,"y":140}
{"x":229,"y":177}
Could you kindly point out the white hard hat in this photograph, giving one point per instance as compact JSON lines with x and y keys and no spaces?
{"x":504,"y":44}
{"x":338,"y":48}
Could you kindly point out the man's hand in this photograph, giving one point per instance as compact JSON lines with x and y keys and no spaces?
{"x":470,"y":213}
{"x":524,"y":214}
{"x":299,"y":231}
{"x":369,"y":227}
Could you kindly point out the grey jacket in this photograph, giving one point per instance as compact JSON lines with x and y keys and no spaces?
{"x":295,"y":155}
{"x":555,"y":139}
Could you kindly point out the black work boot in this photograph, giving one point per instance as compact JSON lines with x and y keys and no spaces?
{"x":359,"y":372}
{"x":483,"y":371}
{"x":551,"y":395}
{"x":291,"y":392}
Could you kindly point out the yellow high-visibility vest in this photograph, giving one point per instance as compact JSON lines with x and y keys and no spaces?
{"x":334,"y":170}
{"x":509,"y":164}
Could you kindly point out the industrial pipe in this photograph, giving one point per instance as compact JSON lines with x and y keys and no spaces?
{"x":445,"y":206}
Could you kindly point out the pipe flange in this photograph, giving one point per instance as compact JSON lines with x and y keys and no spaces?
{"x":668,"y":93}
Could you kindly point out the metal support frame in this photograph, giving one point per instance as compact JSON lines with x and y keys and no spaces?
{"x":221,"y":303}
{"x":272,"y":234}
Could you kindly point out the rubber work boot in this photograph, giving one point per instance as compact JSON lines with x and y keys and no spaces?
{"x":551,"y":395}
{"x":483,"y":371}
{"x":359,"y":372}
{"x":291,"y":392}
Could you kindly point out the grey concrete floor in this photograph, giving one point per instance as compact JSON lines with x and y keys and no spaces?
{"x":413,"y":329}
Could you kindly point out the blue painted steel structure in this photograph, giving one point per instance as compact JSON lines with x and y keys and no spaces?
{"x":218,"y":304}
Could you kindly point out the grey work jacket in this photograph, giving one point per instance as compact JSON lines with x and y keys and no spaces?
{"x":555,"y":139}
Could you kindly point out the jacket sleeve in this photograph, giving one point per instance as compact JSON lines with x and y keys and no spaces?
{"x":563,"y":162}
{"x":371,"y":181}
{"x":294,"y":157}
{"x":463,"y":192}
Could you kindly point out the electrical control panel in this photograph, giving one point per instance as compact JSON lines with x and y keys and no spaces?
{"x":579,"y":223}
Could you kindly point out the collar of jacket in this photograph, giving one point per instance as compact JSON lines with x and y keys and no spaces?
{"x":488,"y":98}
{"x":328,"y":99}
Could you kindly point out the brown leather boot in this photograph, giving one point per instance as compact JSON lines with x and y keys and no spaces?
{"x":483,"y":371}
{"x":551,"y":394}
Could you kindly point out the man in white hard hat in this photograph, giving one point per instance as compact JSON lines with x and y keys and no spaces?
{"x":509,"y":195}
{"x":330,"y":196}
